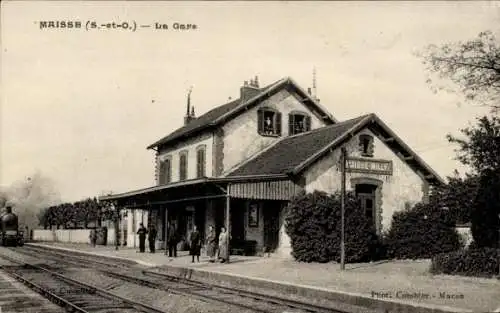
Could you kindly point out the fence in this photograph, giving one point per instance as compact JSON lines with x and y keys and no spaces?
{"x":69,"y":235}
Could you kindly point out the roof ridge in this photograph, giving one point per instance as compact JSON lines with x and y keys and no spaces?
{"x":259,"y":94}
{"x":253,"y":157}
{"x":284,"y":139}
{"x":312,"y":131}
{"x":219,"y":114}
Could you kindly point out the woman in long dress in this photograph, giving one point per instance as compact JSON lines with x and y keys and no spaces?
{"x":223,"y":240}
{"x":211,"y":243}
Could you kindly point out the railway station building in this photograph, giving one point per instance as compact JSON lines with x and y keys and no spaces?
{"x":250,"y":156}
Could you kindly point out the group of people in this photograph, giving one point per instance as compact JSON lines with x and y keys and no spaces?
{"x":217,"y":248}
{"x":142,"y":232}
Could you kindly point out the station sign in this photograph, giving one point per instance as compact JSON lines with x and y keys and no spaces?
{"x":369,"y":166}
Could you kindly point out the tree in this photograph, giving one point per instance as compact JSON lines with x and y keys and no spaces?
{"x":458,"y":196}
{"x":486,"y":212}
{"x":481,"y":147}
{"x":472,"y":66}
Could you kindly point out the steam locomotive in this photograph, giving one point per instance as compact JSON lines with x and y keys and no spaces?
{"x":9,"y":229}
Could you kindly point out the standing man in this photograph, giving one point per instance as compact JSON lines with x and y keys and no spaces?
{"x":142,"y":238}
{"x":172,"y":240}
{"x":152,"y":238}
{"x":195,"y":244}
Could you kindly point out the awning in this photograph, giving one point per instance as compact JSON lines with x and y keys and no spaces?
{"x":268,"y":190}
{"x":276,"y":187}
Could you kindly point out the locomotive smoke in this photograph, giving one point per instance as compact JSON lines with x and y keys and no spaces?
{"x":28,"y":197}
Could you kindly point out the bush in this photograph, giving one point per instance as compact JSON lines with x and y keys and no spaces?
{"x":313,"y":223}
{"x":421,"y":232}
{"x":480,"y":262}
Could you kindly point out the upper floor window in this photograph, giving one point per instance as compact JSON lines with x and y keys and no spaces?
{"x":165,"y":171}
{"x":366,"y":145}
{"x":183,"y":160}
{"x":200,"y":161}
{"x":298,"y":123}
{"x":269,"y":122}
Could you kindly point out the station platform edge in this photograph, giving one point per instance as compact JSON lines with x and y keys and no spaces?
{"x":348,"y":301}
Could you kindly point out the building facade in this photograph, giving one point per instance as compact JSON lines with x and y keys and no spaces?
{"x":239,"y":164}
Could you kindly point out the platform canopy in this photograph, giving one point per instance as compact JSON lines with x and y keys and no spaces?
{"x":271,"y":187}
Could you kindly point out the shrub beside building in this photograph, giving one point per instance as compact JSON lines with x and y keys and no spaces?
{"x":421,"y":232}
{"x":314,"y":226}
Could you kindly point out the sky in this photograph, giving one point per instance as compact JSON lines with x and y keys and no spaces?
{"x":80,"y":106}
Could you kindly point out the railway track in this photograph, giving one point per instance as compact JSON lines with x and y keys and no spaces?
{"x":250,"y":301}
{"x":72,"y":295}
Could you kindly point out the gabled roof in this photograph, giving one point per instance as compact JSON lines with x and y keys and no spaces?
{"x":287,"y":154}
{"x":292,"y":155}
{"x":229,"y":110}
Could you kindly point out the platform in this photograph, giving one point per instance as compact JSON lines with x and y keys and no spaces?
{"x":394,"y":285}
{"x":147,"y":259}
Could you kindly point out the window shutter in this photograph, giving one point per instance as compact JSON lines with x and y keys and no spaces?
{"x":200,"y":163}
{"x":168,"y":171}
{"x":278,"y":123}
{"x":371,"y":147}
{"x":183,"y":167}
{"x":291,"y":123}
{"x":161,"y":173}
{"x":181,"y":164}
{"x":308,"y":123}
{"x":203,"y":165}
{"x":260,"y":121}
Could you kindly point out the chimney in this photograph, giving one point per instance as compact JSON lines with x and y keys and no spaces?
{"x":309,"y":91}
{"x":249,"y":90}
{"x":189,"y":111}
{"x":256,"y":82}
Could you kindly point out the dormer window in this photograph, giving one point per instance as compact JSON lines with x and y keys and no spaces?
{"x":269,"y":122}
{"x":183,"y":165}
{"x":366,"y":145}
{"x":298,"y":123}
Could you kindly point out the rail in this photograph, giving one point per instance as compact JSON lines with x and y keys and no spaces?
{"x":255,"y":302}
{"x":55,"y":295}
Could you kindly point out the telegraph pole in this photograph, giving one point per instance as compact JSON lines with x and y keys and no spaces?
{"x":498,"y":249}
{"x":342,"y":209}
{"x":228,"y":211}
